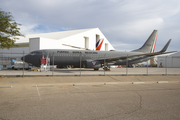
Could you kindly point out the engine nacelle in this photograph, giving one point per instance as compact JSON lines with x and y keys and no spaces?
{"x":92,"y":64}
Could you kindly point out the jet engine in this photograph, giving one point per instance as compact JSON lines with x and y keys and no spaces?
{"x":92,"y":64}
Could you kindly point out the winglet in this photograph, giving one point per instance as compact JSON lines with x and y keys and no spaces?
{"x":166,"y":46}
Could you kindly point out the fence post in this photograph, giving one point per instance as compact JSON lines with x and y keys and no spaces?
{"x":2,"y":61}
{"x":23,"y":63}
{"x":53,"y":65}
{"x":147,"y":68}
{"x":104,"y":64}
{"x":166,"y":64}
{"x":127,"y":65}
{"x":172,"y":61}
{"x":80,"y":62}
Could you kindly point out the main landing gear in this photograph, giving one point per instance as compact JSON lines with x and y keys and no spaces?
{"x":96,"y":69}
{"x":107,"y":69}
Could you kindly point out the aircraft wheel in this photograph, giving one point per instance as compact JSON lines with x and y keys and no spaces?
{"x":96,"y":68}
{"x":106,"y":69}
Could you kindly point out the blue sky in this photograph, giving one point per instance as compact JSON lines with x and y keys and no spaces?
{"x":126,"y":23}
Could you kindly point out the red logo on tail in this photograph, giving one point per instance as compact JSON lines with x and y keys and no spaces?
{"x":99,"y":44}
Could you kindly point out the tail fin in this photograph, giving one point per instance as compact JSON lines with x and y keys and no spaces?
{"x":149,"y":45}
{"x":99,"y":44}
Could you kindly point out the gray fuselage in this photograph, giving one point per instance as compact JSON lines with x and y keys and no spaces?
{"x":62,"y":57}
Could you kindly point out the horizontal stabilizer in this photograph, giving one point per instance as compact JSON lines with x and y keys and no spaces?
{"x":166,"y":46}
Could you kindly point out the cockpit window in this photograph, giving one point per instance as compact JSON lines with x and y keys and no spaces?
{"x":36,"y":53}
{"x":32,"y":53}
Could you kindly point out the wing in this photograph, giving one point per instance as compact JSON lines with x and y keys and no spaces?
{"x":131,"y":56}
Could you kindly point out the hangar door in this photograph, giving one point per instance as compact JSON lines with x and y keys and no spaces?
{"x":86,"y":42}
{"x":106,"y":46}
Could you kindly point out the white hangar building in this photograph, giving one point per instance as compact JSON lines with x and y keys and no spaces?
{"x":84,"y":38}
{"x":169,"y":61}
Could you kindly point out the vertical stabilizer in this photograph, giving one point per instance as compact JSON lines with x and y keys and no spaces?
{"x":149,"y":45}
{"x":99,"y":44}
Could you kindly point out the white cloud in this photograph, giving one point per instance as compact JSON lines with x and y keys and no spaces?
{"x":28,"y":29}
{"x":136,"y":28}
{"x":122,"y":22}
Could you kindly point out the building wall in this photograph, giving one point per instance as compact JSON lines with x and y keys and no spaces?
{"x":14,"y":52}
{"x":176,"y":62}
{"x":46,"y":43}
{"x":77,"y":40}
{"x":169,"y":61}
{"x":34,"y":44}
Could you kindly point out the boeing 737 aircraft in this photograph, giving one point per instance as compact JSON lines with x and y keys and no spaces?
{"x":97,"y":59}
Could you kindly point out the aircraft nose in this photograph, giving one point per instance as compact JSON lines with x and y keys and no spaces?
{"x":23,"y":58}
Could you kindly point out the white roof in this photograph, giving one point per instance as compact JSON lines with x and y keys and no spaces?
{"x":53,"y":35}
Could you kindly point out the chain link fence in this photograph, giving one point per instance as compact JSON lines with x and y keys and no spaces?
{"x":165,"y":66}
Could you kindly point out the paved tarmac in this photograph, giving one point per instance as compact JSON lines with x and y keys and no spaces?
{"x":87,"y":72}
{"x":90,"y":97}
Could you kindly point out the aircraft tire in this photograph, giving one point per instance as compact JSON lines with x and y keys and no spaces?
{"x":106,"y":69}
{"x":96,"y":69}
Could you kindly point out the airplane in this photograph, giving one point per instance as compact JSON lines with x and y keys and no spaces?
{"x":97,"y":59}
